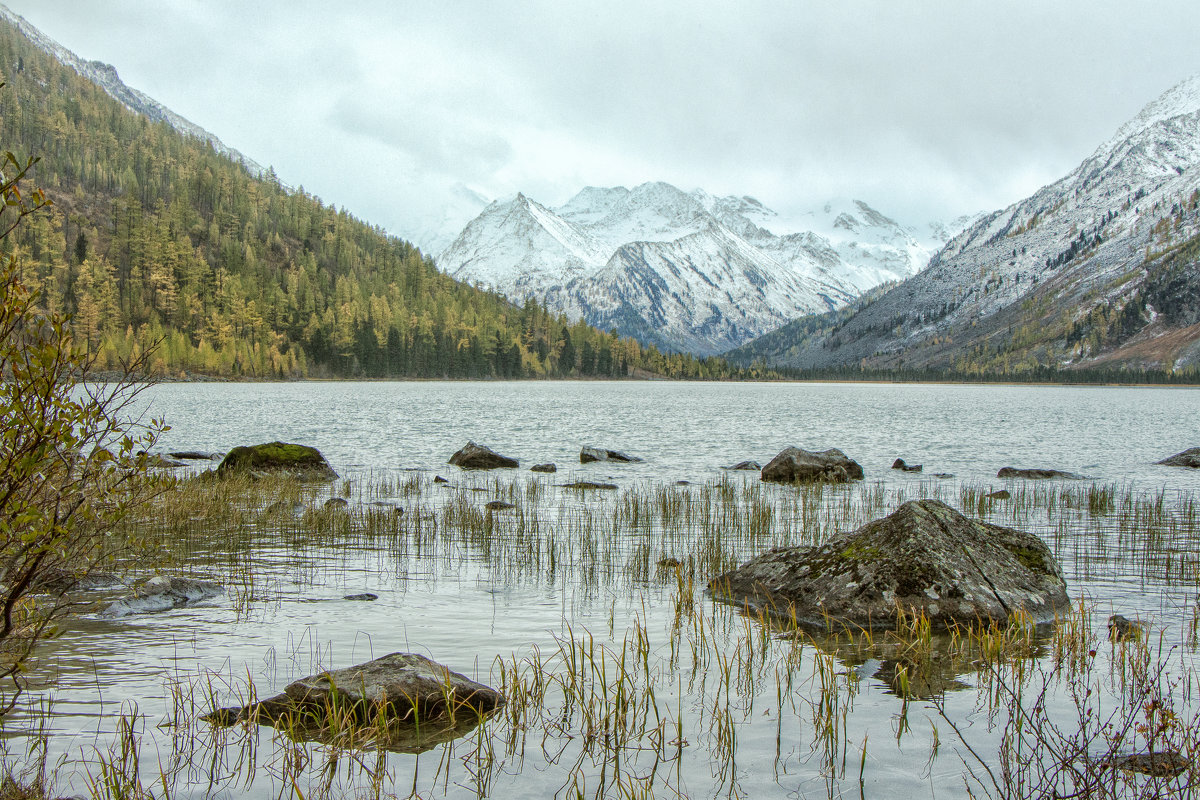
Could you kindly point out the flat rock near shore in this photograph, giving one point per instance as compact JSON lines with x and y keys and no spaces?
{"x":924,"y":558}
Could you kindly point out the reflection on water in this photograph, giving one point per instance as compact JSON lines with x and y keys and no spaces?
{"x":622,"y":676}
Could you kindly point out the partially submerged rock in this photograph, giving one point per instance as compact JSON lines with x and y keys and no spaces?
{"x":1122,"y":628}
{"x":795,"y":465}
{"x":404,"y":687}
{"x":1188,"y":458}
{"x":584,"y":485}
{"x":476,"y":456}
{"x":589,"y":454}
{"x":925,"y":558}
{"x":298,"y":460}
{"x":1000,"y":494}
{"x":193,"y":455}
{"x":163,"y":593}
{"x":364,"y":597}
{"x":746,"y":465}
{"x":543,"y":468}
{"x":159,"y":461}
{"x":498,"y":505}
{"x":1036,"y":474}
{"x":1161,"y":764}
{"x":903,"y":467}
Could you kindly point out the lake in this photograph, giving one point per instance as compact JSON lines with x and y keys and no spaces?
{"x":727,"y":707}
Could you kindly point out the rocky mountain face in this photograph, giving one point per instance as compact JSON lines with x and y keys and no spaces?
{"x":1095,"y":270}
{"x":105,"y":76}
{"x":685,"y":271}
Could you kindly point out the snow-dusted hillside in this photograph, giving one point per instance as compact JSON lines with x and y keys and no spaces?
{"x":683,"y":270}
{"x":105,"y":76}
{"x":1069,"y":275}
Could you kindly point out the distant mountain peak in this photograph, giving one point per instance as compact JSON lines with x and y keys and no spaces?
{"x":678,"y":269}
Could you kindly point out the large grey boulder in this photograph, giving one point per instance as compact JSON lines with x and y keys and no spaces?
{"x":298,"y":460}
{"x":923,"y":558}
{"x":1188,"y":458}
{"x":476,"y":456}
{"x":407,"y":687}
{"x":163,"y":593}
{"x":589,"y":454}
{"x":794,"y":465}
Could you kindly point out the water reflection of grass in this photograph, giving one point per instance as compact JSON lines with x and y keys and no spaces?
{"x":668,"y":699}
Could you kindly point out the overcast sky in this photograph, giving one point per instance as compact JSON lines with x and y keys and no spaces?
{"x":926,"y":110}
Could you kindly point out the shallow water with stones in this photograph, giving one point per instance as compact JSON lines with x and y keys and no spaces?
{"x":731,"y":707}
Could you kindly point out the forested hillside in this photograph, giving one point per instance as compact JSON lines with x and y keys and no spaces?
{"x":153,"y":236}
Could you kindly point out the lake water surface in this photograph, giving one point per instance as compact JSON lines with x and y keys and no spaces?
{"x":467,"y":606}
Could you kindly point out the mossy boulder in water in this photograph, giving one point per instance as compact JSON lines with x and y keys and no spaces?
{"x":299,"y":460}
{"x":925,"y":558}
{"x":796,"y":465}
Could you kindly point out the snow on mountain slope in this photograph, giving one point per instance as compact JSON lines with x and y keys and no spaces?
{"x":1029,"y":283}
{"x":683,"y":270}
{"x":105,"y":76}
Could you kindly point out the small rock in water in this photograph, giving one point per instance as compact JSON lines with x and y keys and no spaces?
{"x":498,"y":505}
{"x":1002,"y":494}
{"x":1036,"y":474}
{"x":683,"y":483}
{"x":588,"y":485}
{"x":1122,"y":628}
{"x":900,"y":465}
{"x":365,"y":596}
{"x":543,"y":468}
{"x":193,"y":455}
{"x":476,"y":456}
{"x":669,"y":563}
{"x":589,"y":454}
{"x":336,"y":502}
{"x":439,"y":479}
{"x":162,"y":593}
{"x":746,"y":465}
{"x":943,"y":475}
{"x":1163,"y":764}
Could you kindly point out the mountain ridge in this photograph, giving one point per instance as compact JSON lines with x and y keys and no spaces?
{"x":686,"y":271}
{"x":1063,"y":278}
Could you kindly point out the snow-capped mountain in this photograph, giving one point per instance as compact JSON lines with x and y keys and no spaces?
{"x":105,"y":76}
{"x":686,"y":271}
{"x":1096,"y":269}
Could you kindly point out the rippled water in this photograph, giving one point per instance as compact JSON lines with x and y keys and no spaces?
{"x":464,"y":607}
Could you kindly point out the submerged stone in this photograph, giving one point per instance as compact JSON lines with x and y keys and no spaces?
{"x":746,"y":465}
{"x":298,"y":460}
{"x":584,"y":485}
{"x":1036,"y":474}
{"x":543,"y":468}
{"x":163,"y":593}
{"x":1188,"y":458}
{"x":903,"y":467}
{"x":476,"y":456}
{"x":796,"y":465}
{"x":589,"y":454}
{"x":924,"y":558}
